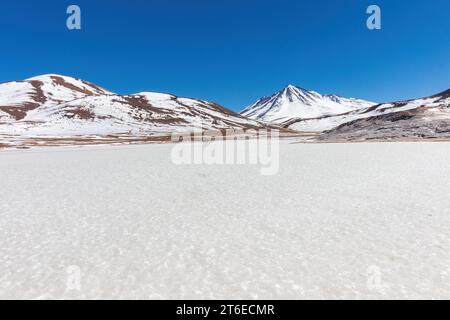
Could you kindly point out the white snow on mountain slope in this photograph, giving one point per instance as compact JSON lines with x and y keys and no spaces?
{"x":143,"y":113}
{"x":330,"y":122}
{"x":422,"y":118}
{"x":295,"y":102}
{"x":5,"y":117}
{"x":16,"y":93}
{"x":204,"y":113}
{"x":54,"y":105}
{"x":64,"y":88}
{"x":19,"y":97}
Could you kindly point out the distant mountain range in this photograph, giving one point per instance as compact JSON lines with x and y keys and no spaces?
{"x":60,"y":106}
{"x":56,"y":105}
{"x":339,"y":118}
{"x":420,"y":118}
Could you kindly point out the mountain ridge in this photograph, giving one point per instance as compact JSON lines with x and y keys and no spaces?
{"x":427,"y":117}
{"x":60,"y":105}
{"x":296,"y":102}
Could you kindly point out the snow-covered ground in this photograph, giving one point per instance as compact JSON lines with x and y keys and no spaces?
{"x":338,"y":221}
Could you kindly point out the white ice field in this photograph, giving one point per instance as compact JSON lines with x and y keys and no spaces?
{"x":362,"y":221}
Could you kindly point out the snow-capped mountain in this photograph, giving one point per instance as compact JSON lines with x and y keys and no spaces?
{"x":19,"y":97}
{"x":420,"y":118}
{"x":293,"y":102}
{"x":61,"y":106}
{"x":53,"y":105}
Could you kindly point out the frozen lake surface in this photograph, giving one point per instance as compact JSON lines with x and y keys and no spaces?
{"x":351,"y":221}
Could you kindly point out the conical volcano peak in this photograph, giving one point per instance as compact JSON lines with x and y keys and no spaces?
{"x":295,"y":102}
{"x":294,"y":88}
{"x":291,"y":87}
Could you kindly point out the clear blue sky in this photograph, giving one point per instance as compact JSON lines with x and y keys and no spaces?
{"x":234,"y":51}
